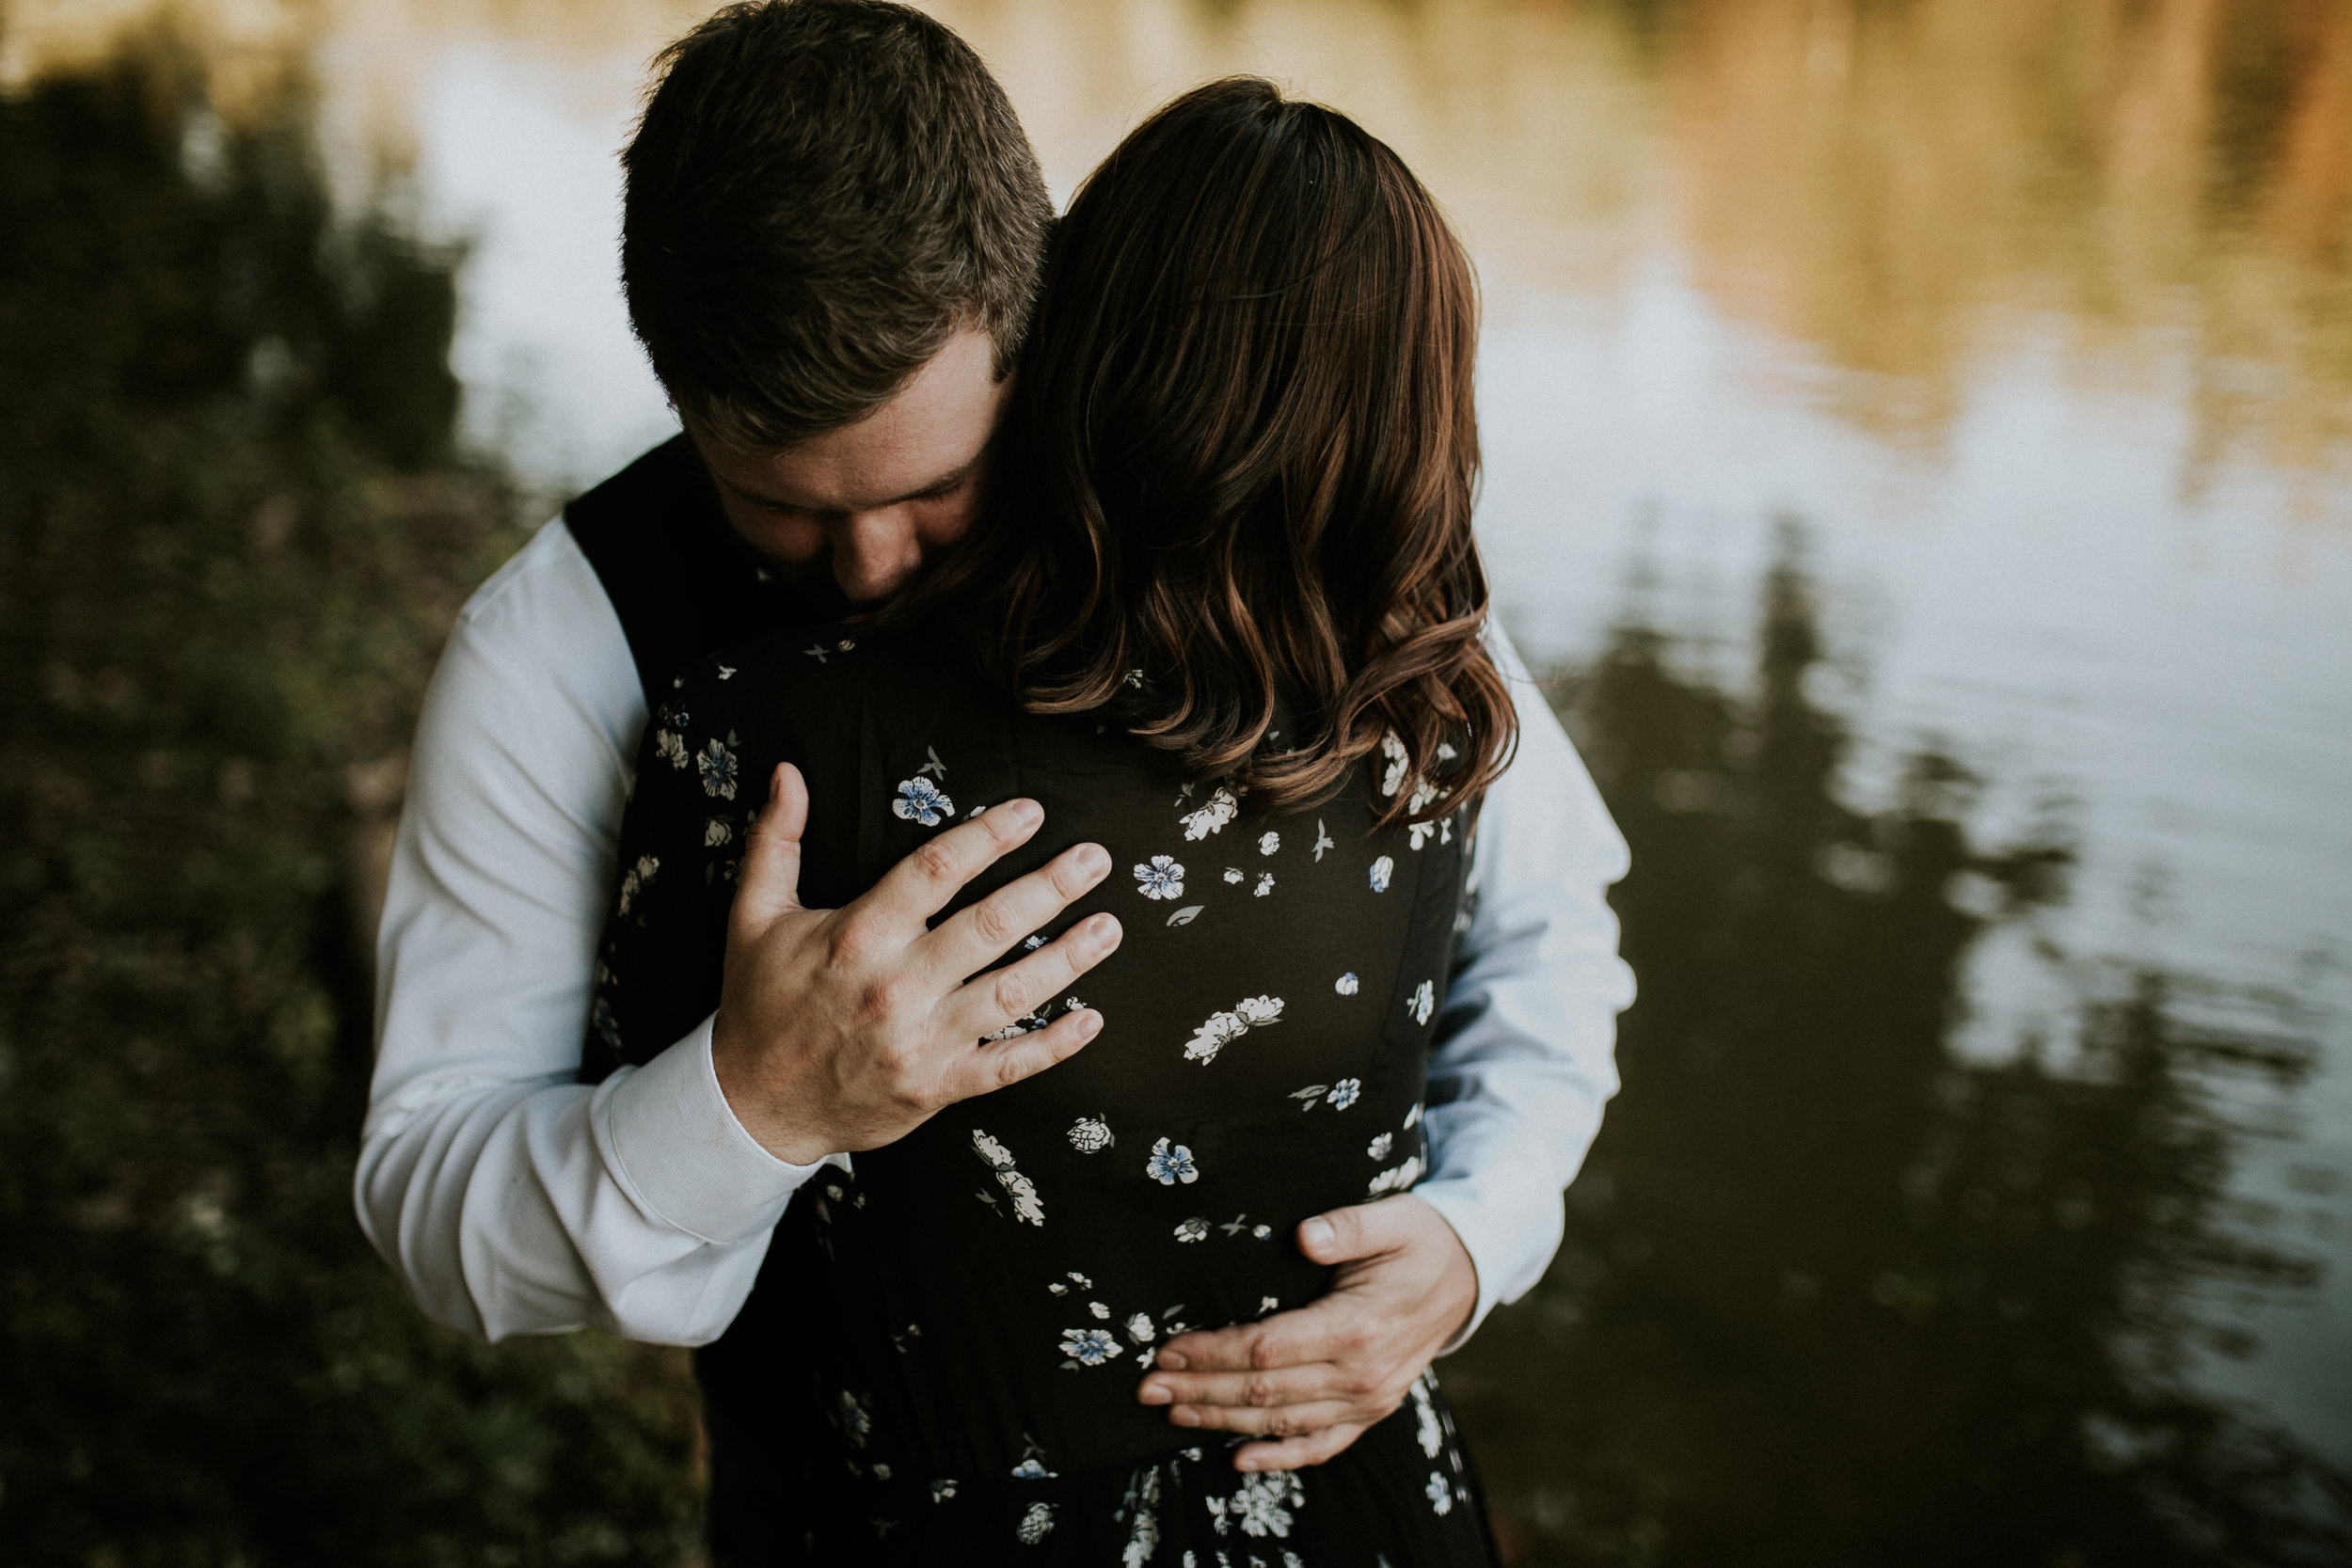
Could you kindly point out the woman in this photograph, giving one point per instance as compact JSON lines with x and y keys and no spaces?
{"x":1224,"y":616}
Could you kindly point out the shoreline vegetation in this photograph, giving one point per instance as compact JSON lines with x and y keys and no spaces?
{"x":1830,"y":1294}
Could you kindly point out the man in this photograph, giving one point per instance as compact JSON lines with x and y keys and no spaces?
{"x":831,"y":233}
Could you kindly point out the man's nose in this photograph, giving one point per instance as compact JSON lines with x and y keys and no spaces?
{"x":875,"y":553}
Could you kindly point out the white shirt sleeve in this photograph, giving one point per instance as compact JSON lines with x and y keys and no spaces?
{"x":1526,"y":1054}
{"x":508,"y":1198}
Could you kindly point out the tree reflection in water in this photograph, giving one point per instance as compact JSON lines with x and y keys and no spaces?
{"x":1831,"y":1295}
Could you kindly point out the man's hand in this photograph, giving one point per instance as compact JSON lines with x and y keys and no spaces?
{"x":841,"y":1030}
{"x":1312,"y":1379}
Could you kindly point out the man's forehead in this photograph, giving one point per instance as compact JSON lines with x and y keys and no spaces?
{"x":924,"y":435}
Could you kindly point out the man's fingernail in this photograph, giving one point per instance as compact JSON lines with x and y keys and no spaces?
{"x":1090,"y":1024}
{"x":1245,"y":1463}
{"x":1023,"y":814}
{"x":1316,"y":1233}
{"x":1184,"y":1415}
{"x":1172,"y":1362}
{"x":1103,"y":928}
{"x":1093,"y":859}
{"x":1156,"y":1393}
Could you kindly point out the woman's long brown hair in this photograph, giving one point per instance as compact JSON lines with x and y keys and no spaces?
{"x":1238,"y":466}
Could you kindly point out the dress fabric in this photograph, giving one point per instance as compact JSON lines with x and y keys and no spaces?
{"x":938,"y":1364}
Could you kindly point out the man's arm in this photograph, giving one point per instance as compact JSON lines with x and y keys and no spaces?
{"x":1526,"y":1059}
{"x":508,"y":1197}
{"x":1517,"y":1084}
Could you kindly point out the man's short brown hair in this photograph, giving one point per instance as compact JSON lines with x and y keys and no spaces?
{"x":819,"y":193}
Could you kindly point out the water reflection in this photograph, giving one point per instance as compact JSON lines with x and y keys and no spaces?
{"x":1830,"y":1293}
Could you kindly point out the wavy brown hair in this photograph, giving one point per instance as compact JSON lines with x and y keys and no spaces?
{"x":1236,"y":474}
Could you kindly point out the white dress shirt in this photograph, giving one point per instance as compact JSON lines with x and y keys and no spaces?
{"x":512,"y":1199}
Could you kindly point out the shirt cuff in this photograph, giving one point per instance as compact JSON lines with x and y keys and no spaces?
{"x":1509,"y":1218}
{"x":676,"y":1146}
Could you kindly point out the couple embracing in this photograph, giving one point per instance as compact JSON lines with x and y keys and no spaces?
{"x":1004,"y":884}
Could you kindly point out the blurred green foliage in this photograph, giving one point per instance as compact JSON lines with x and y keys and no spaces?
{"x":233,"y":530}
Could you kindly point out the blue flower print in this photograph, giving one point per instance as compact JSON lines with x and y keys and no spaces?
{"x":718,"y":770}
{"x":1347,"y":985}
{"x":1343,"y":1093}
{"x":1382,"y":870}
{"x":1089,"y":1347}
{"x":1162,"y":878}
{"x":921,"y":800}
{"x":1168,"y":1166}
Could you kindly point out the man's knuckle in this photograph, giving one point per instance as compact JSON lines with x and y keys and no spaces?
{"x":1257,"y":1391}
{"x":936,"y":863}
{"x":993,"y":922}
{"x":1264,"y":1354}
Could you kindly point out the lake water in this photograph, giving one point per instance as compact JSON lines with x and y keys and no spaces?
{"x":1874,"y":395}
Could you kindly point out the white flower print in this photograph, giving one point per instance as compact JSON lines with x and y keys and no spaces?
{"x":941,"y":1490}
{"x":1193,"y":1229}
{"x":1261,"y":1231}
{"x":1412,"y":1118}
{"x":1211,"y":818}
{"x":1323,"y":840}
{"x":1213,"y":1037}
{"x":1343,"y":1093}
{"x":716,"y":832}
{"x":1392,"y":777}
{"x":1382,"y":870}
{"x":1029,"y":1469}
{"x":1026,"y":1205}
{"x":1422,"y":1003}
{"x":853,"y":1415}
{"x":1379,"y":1148}
{"x":1419,"y":833}
{"x":1089,"y":1347}
{"x":1425,"y":1413}
{"x":671,"y":747}
{"x":1139,"y":1328}
{"x":1268,"y":843}
{"x":1168,"y":1166}
{"x":1037,"y":1523}
{"x":1058,"y":1287}
{"x":1400,"y":1180}
{"x":1234,"y":874}
{"x":1440,"y":1494}
{"x":1347,"y":985}
{"x":1266,"y":883}
{"x":1222,"y":1029}
{"x":1081,"y":1280}
{"x":1143,"y":1507}
{"x":1099,"y":1310}
{"x":718,"y":770}
{"x":1162,"y":878}
{"x":1262,"y":1505}
{"x":921,"y":800}
{"x":638,"y":876}
{"x":1091,"y":1135}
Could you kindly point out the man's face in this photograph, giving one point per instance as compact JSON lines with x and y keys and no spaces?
{"x":872,"y":500}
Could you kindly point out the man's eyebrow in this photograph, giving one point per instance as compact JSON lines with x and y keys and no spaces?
{"x":945,"y":482}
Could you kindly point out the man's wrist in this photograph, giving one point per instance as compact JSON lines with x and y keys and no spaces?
{"x":676,"y":1146}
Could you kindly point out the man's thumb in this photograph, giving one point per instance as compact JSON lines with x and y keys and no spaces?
{"x":769,"y":883}
{"x":1338,"y":1236}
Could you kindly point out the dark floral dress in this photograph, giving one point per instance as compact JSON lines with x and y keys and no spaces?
{"x":940,"y":1362}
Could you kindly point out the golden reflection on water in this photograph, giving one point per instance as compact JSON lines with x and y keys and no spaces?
{"x":2159,"y":187}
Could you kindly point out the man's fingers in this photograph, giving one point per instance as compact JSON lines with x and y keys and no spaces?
{"x":1359,"y":1230}
{"x":1310,"y":1386}
{"x":769,"y":883}
{"x":978,"y":935}
{"x":1323,"y":1330}
{"x":922,"y":884}
{"x":1002,"y":1064}
{"x":1295,"y":1454}
{"x":1287,"y":1421}
{"x":987,"y":1003}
